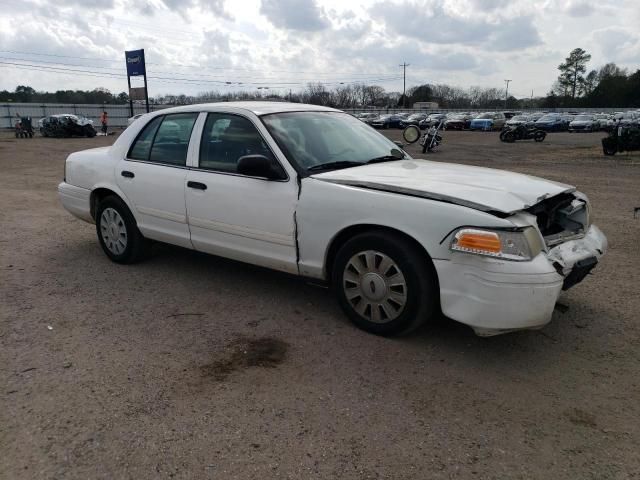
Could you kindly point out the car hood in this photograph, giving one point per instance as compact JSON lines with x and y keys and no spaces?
{"x":484,"y":189}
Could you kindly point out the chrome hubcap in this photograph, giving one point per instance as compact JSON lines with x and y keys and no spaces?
{"x":113,"y":231}
{"x":375,"y":286}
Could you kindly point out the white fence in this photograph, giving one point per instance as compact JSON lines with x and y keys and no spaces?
{"x":118,"y":114}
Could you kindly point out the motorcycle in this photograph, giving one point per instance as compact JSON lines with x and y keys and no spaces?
{"x":431,"y":139}
{"x":520,"y":132}
{"x":622,"y":138}
{"x":23,"y":128}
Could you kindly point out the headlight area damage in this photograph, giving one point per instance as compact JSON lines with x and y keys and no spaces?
{"x":551,"y":248}
{"x":508,"y":273}
{"x":574,"y":246}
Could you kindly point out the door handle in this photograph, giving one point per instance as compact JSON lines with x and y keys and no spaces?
{"x":127,"y":174}
{"x":197,"y":185}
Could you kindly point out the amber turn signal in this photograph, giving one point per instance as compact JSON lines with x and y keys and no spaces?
{"x":477,"y":241}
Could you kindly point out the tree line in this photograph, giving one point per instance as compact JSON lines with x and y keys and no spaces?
{"x":26,"y":94}
{"x":607,"y":86}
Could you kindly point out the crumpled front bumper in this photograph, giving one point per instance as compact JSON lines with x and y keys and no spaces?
{"x":495,"y":296}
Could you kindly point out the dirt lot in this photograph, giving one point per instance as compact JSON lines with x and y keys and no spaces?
{"x":191,"y":366}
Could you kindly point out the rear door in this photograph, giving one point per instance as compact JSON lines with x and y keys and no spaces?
{"x":153,"y":177}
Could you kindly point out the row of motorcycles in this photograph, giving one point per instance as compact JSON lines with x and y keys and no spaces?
{"x":432,"y":138}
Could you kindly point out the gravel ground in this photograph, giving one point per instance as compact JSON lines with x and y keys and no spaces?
{"x":192,"y":366}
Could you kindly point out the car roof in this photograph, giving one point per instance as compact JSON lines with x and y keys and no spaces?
{"x":258,"y":108}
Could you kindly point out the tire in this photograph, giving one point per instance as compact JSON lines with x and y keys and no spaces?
{"x":114,"y":220}
{"x":608,"y":150}
{"x":502,"y":135}
{"x":383,"y":258}
{"x":539,"y":136}
{"x":509,"y":137}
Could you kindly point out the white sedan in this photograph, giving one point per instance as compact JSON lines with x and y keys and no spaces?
{"x":314,"y":192}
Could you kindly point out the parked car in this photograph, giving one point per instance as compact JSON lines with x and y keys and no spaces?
{"x":66,"y":125}
{"x":584,"y":123}
{"x":458,"y":122}
{"x":413,"y":119}
{"x":387,"y":121}
{"x":519,"y":120}
{"x":488,"y":121}
{"x":432,"y":120}
{"x":311,"y":191}
{"x":551,"y":123}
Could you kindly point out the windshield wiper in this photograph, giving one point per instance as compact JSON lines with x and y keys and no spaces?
{"x":385,"y":158}
{"x":331,"y":165}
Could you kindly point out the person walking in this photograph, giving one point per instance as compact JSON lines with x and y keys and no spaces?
{"x":104,"y":120}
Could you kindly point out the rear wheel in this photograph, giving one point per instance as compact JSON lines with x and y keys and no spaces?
{"x":509,"y":137}
{"x":384,"y":283}
{"x":118,"y":233}
{"x":539,"y":136}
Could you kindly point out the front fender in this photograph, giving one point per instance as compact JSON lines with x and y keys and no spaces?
{"x":325,"y":209}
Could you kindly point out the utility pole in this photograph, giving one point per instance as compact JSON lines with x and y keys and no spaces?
{"x":506,"y":93}
{"x":404,"y":83}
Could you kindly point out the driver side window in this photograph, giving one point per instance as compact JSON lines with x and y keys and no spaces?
{"x":226,"y":138}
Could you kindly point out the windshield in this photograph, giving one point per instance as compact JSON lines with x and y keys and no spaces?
{"x":548,"y":118}
{"x":485,"y":116}
{"x":582,"y":117}
{"x":314,"y":138}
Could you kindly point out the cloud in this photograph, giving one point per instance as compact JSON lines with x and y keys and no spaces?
{"x":516,"y":34}
{"x":302,"y":15}
{"x":618,"y":44}
{"x":436,"y":24}
{"x":579,"y":8}
{"x":181,"y":7}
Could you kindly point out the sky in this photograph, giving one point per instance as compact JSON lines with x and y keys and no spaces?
{"x":194,"y":46}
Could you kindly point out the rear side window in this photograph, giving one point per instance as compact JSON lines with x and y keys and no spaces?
{"x":165,"y":139}
{"x":142,"y":146}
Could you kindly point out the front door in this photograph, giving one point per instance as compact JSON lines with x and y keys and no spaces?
{"x":245,"y":218}
{"x":153,"y":178}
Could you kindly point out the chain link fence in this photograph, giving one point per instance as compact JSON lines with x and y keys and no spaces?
{"x":118,"y":114}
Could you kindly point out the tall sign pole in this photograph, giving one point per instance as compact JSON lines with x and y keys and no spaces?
{"x":130,"y":99}
{"x":136,"y":68}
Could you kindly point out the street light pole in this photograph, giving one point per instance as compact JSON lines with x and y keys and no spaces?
{"x":506,"y":93}
{"x":404,"y":83}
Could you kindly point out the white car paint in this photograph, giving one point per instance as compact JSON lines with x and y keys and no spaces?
{"x":289,"y":225}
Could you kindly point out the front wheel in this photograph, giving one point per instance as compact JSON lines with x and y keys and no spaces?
{"x":539,"y":136}
{"x":509,"y":137}
{"x":118,"y":233}
{"x":384,"y":283}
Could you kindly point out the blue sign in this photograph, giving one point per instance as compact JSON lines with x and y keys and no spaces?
{"x":135,"y":63}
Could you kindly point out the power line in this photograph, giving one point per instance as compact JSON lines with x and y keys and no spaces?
{"x":267,"y":80}
{"x":200,"y":67}
{"x":191,"y":81}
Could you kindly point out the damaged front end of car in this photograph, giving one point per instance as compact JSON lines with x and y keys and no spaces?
{"x":573,"y":244}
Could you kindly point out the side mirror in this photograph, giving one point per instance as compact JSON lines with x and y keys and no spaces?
{"x":399,"y":144}
{"x":259,"y":166}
